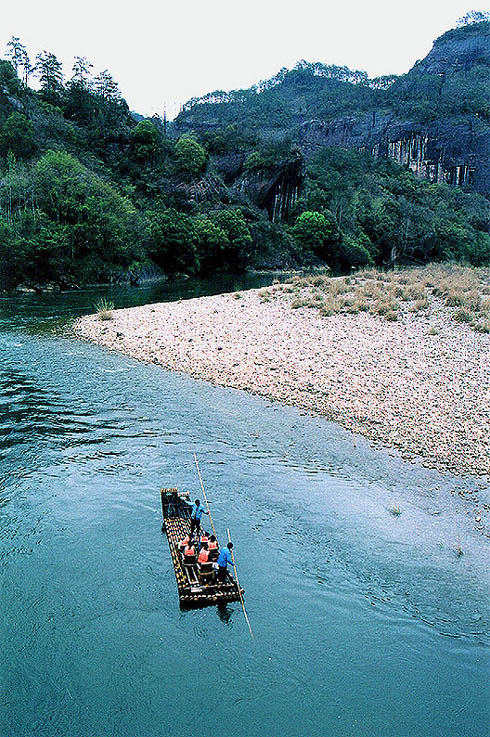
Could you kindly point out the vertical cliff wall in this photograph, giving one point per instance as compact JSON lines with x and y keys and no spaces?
{"x":276,"y":189}
{"x":453,"y":151}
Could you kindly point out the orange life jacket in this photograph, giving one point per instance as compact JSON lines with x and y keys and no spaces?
{"x":190,"y":551}
{"x":185,"y":541}
{"x":204,"y":539}
{"x":213,"y":545}
{"x":203,"y":556}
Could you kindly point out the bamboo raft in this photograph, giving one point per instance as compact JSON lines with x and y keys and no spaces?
{"x":193,"y":592}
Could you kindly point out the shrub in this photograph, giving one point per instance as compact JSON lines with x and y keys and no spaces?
{"x":315,"y":231}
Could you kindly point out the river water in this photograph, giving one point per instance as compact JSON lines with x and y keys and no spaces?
{"x":365,"y":623}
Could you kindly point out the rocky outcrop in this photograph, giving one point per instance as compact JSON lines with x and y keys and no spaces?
{"x":458,"y":50}
{"x":276,"y":189}
{"x":454,"y":151}
{"x":435,"y":119}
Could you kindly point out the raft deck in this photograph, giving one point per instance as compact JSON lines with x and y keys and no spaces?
{"x":193,"y":592}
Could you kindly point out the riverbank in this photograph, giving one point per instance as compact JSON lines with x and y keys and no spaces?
{"x":407,"y":374}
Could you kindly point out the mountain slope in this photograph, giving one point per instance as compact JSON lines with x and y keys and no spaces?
{"x":318,"y":165}
{"x":435,"y":119}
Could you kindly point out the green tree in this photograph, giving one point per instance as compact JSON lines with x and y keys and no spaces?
{"x":190,"y":156}
{"x":145,"y":141}
{"x":232,"y":222}
{"x":50,"y":73}
{"x":314,"y":231}
{"x":107,"y":87}
{"x":212,"y":245}
{"x":473,"y":16}
{"x":355,"y":251}
{"x":9,"y":85}
{"x":172,"y":241}
{"x":81,"y":72}
{"x":102,"y":226}
{"x":16,"y":52}
{"x":17,"y":135}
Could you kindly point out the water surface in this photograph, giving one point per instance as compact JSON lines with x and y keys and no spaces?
{"x":365,"y":623}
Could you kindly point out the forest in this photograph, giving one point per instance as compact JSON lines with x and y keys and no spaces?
{"x":92,"y":192}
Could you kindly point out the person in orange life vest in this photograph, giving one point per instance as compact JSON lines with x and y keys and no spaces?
{"x":190,"y":552}
{"x":185,"y":542}
{"x":213,"y":548}
{"x":203,"y":554}
{"x":196,"y":514}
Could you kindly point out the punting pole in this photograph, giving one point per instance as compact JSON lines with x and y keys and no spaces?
{"x":204,"y":495}
{"x":239,"y":589}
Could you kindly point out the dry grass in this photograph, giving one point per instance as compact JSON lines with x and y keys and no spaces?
{"x":104,"y":309}
{"x":464,"y":291}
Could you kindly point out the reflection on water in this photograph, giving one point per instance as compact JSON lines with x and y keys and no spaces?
{"x":224,"y":612}
{"x":40,"y":313}
{"x":364,"y":623}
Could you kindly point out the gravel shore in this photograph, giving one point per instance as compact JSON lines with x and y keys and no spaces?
{"x":425,"y":393}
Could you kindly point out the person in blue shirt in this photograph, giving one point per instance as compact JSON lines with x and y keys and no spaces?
{"x":223,"y":559}
{"x":196,"y":514}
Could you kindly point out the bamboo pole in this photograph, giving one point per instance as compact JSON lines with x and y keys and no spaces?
{"x":204,"y":495}
{"x":238,"y":586}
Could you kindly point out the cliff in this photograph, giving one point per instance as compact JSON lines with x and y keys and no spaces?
{"x":435,"y":119}
{"x":454,"y":151}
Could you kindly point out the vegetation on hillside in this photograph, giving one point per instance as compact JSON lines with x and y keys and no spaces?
{"x":91,"y":192}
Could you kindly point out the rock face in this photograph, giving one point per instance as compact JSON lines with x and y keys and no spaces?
{"x":275,"y":190}
{"x":435,"y":120}
{"x":455,"y":151}
{"x":457,"y":50}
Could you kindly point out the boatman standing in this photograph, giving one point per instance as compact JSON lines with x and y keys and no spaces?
{"x":196,"y":514}
{"x":223,"y":559}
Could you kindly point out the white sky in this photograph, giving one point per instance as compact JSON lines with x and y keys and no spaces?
{"x":163,"y":53}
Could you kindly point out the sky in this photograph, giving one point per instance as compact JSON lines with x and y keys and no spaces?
{"x":163,"y":53}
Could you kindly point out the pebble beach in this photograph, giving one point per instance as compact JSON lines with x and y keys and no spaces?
{"x":420,"y":384}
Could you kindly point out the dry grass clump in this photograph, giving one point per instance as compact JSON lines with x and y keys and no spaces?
{"x":463,"y":315}
{"x":391,"y":316}
{"x":419,"y":304}
{"x":465,"y":291}
{"x":331,"y":306}
{"x":483,"y":326}
{"x":104,"y":309}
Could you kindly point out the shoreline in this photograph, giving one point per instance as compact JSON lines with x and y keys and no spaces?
{"x":371,"y":376}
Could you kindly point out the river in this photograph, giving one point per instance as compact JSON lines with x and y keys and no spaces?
{"x":365,"y":623}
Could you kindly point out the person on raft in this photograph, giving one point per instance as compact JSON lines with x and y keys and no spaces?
{"x":213,"y":548}
{"x":223,"y":559}
{"x":196,"y":514}
{"x":185,"y":542}
{"x":190,"y":553}
{"x":203,"y":554}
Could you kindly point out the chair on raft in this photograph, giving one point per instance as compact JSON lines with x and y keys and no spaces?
{"x":205,"y":571}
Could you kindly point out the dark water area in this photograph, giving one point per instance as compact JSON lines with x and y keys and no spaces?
{"x":365,"y":623}
{"x":45,"y":311}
